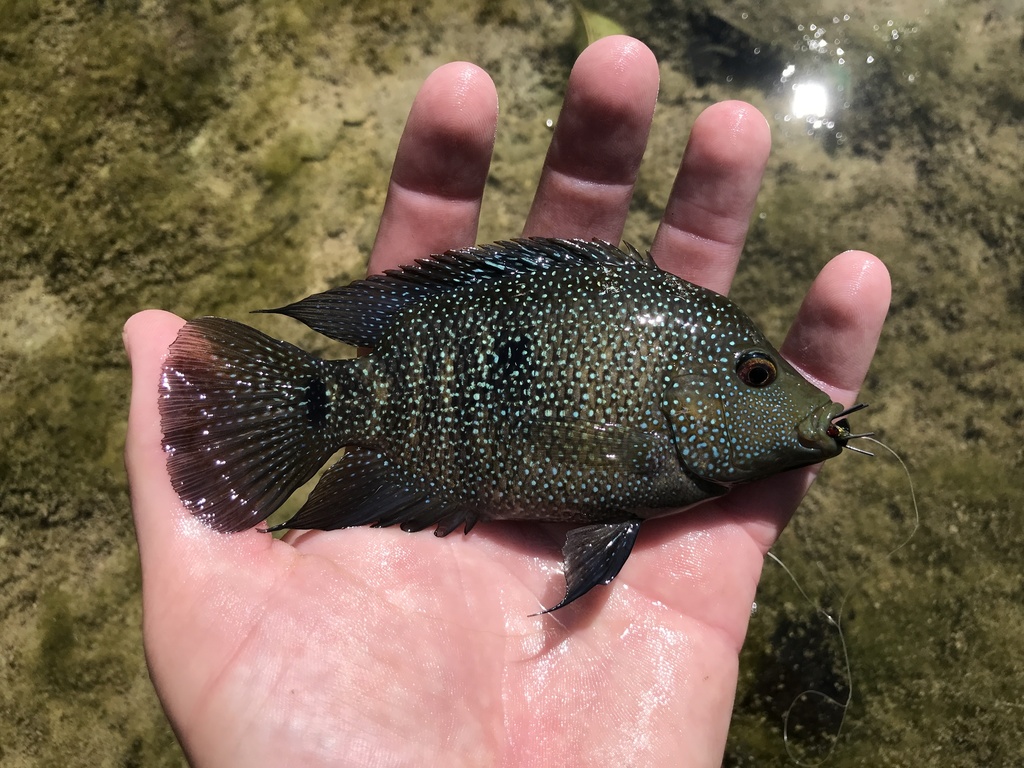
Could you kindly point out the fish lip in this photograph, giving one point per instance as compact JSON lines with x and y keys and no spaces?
{"x":813,"y":430}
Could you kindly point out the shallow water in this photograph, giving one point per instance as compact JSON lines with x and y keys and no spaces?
{"x":217,"y":157}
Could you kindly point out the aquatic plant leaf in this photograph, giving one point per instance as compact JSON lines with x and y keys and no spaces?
{"x":592,"y":26}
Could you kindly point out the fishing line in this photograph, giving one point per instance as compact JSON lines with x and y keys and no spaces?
{"x":837,"y":622}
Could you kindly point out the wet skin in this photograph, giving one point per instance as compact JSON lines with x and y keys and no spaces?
{"x":327,"y":648}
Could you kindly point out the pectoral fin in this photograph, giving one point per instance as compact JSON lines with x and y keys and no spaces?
{"x":605,"y":447}
{"x":594,"y":554}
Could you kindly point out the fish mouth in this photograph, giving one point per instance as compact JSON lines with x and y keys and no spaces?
{"x":818,"y":432}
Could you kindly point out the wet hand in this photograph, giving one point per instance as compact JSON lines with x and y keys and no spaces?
{"x":376,"y":646}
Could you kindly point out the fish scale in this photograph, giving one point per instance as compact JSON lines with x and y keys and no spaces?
{"x":536,"y":379}
{"x":581,"y":367}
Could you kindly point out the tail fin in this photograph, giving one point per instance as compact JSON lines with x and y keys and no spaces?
{"x":247,"y":419}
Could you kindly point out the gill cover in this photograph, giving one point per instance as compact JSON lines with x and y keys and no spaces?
{"x":746,"y":415}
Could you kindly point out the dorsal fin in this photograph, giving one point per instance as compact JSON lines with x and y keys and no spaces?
{"x":360,"y":312}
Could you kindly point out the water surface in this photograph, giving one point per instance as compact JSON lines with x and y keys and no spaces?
{"x":215,"y":157}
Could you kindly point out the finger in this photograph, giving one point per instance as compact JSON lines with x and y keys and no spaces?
{"x":146,"y":338}
{"x":200,"y":588}
{"x":172,"y":543}
{"x":437,"y":181}
{"x":831,"y":342}
{"x":591,"y":166}
{"x":836,"y":330}
{"x":708,"y":212}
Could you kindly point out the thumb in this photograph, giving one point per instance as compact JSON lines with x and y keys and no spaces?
{"x":177,"y":550}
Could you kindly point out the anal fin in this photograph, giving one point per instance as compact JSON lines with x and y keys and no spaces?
{"x":364,"y":488}
{"x":594,"y":554}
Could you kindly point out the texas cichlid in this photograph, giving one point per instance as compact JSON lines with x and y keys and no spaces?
{"x":537,"y":379}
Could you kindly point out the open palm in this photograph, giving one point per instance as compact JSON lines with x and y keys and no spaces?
{"x":378,"y":647}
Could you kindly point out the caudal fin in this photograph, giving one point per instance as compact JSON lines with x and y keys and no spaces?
{"x":247,"y":419}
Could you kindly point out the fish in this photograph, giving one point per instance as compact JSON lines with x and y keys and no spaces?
{"x":534,"y":379}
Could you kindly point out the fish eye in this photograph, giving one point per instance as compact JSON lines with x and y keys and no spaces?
{"x":756,"y":369}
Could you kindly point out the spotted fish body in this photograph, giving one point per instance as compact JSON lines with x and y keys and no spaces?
{"x":535,"y":380}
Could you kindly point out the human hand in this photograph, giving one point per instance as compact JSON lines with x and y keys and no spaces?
{"x":378,"y":647}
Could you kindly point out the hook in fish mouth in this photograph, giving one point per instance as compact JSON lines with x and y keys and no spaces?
{"x":839,"y":430}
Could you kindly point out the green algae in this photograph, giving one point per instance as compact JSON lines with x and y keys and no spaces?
{"x":20,"y":11}
{"x":219,"y":157}
{"x":90,"y":679}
